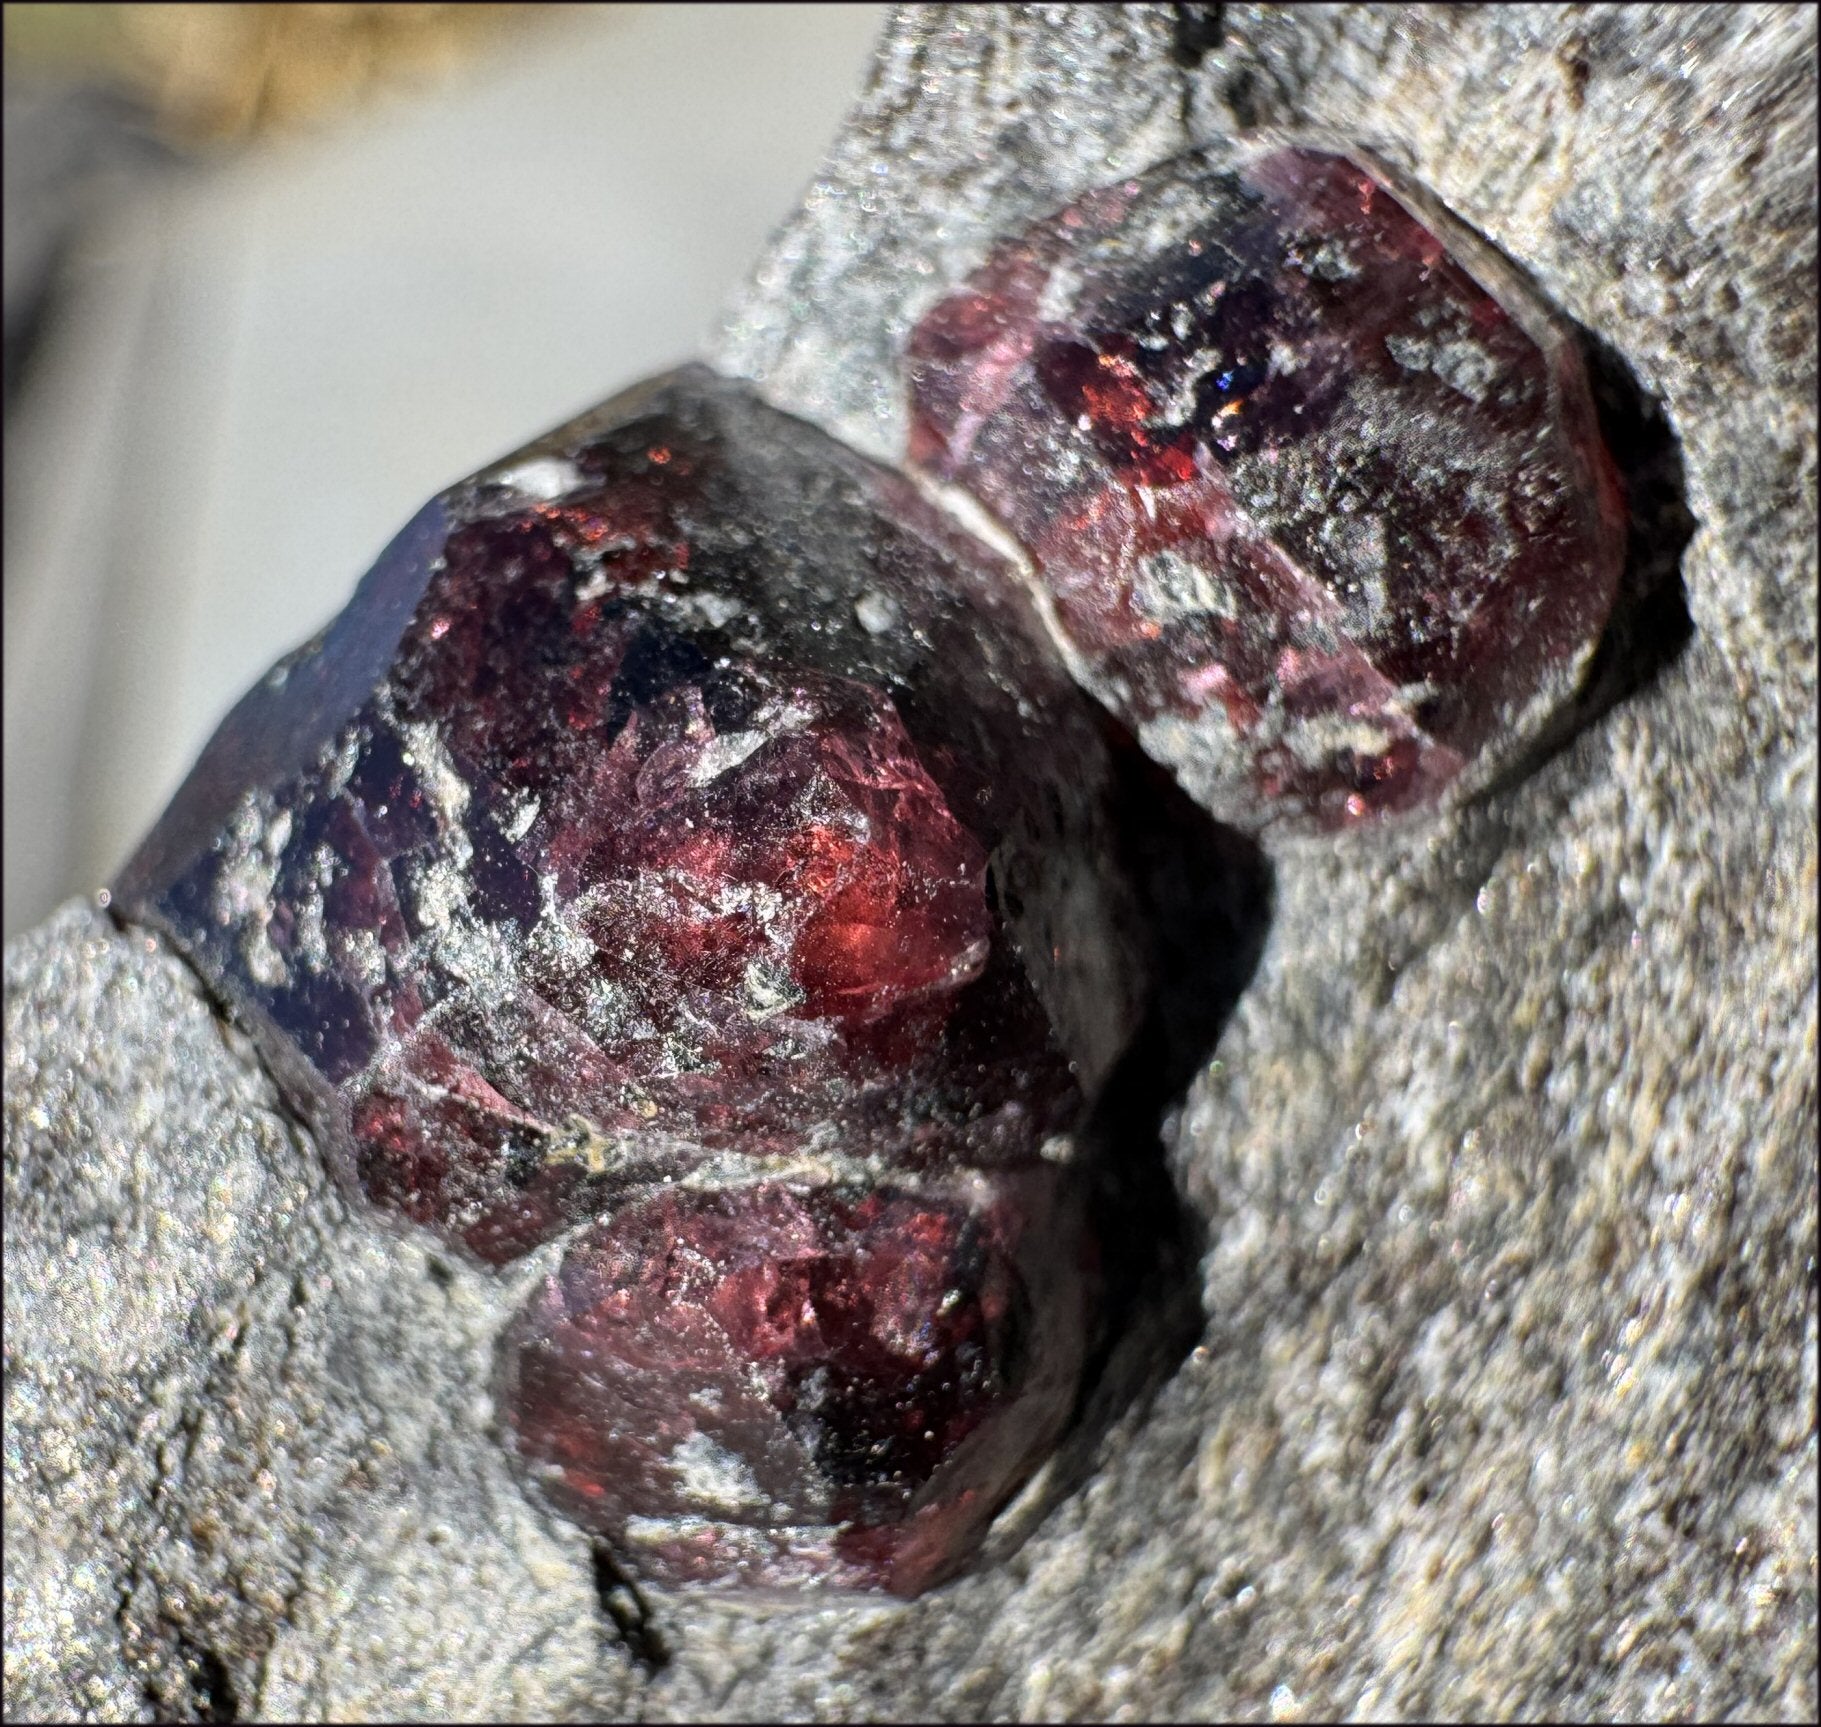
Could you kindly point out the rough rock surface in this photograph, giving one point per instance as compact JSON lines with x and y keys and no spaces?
{"x":1505,"y":1403}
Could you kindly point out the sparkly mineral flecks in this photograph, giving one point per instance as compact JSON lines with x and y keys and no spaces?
{"x":1311,"y":480}
{"x":684,"y":803}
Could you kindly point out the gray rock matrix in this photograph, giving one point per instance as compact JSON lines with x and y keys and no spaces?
{"x":1505,"y":1404}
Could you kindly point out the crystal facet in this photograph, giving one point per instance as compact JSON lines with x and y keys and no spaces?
{"x":687,"y":836}
{"x":778,"y":1384}
{"x":1311,"y":481}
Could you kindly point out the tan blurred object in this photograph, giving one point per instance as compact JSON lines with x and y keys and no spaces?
{"x":217,"y":74}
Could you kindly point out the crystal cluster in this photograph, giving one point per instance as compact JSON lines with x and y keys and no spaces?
{"x":1311,"y":481}
{"x":685,"y":846}
{"x":687,"y":850}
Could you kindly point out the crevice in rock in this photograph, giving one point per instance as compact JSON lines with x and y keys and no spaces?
{"x":1650,"y":626}
{"x":180,"y":1677}
{"x":1232,"y":82}
{"x":628,"y":1612}
{"x":1197,"y":31}
{"x":1205,"y":892}
{"x":211,"y":1685}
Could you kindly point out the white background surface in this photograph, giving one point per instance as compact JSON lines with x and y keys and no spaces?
{"x":265,"y":368}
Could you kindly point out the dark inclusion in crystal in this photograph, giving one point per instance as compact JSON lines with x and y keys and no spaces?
{"x":686,"y":838}
{"x":1311,"y":481}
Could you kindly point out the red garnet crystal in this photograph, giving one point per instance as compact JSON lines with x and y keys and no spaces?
{"x":685,"y":834}
{"x":779,"y":1384}
{"x":1312,"y":481}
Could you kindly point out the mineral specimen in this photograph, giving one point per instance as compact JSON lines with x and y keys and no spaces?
{"x":1312,"y":483}
{"x":686,"y":834}
{"x":788,"y":1384}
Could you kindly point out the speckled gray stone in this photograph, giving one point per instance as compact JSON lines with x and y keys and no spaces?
{"x":1505,"y":1404}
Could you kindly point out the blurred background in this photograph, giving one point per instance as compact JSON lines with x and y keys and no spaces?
{"x":276,"y":273}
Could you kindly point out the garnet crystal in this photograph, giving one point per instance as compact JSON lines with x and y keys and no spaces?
{"x":1312,"y":482}
{"x":779,"y":1384}
{"x":688,"y":836}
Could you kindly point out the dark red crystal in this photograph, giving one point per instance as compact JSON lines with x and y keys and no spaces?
{"x":1313,"y":481}
{"x":776,"y":1384}
{"x":683,"y":807}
